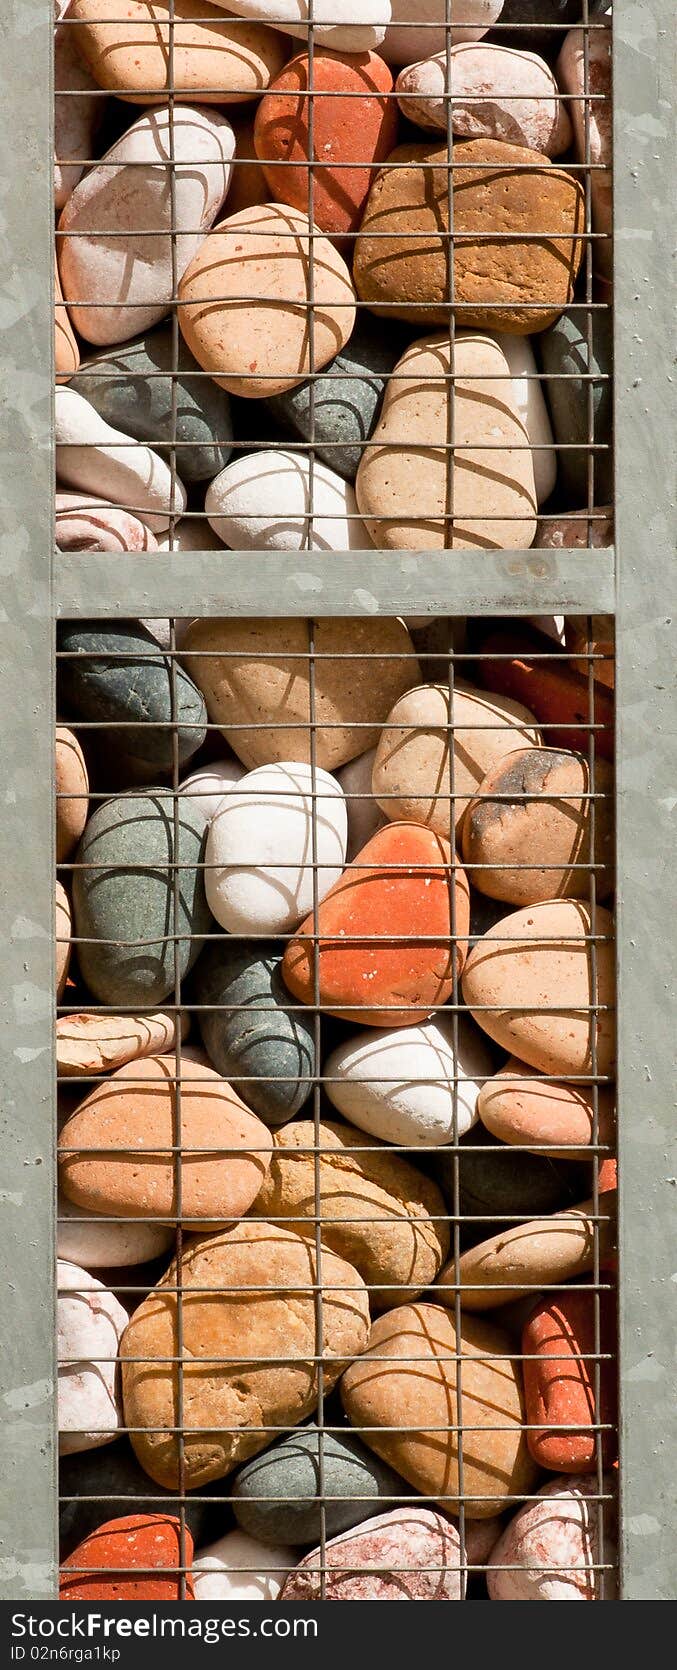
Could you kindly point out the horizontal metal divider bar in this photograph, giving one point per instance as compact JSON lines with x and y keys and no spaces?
{"x":360,"y":583}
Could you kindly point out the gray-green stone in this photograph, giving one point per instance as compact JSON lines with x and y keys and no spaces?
{"x":130,"y":386}
{"x":498,"y":1180}
{"x":128,"y":896}
{"x":117,"y":674}
{"x":564,"y":352}
{"x":265,"y":1049}
{"x":292,"y":1469}
{"x":348,"y":396}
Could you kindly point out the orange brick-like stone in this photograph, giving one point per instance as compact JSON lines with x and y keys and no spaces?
{"x":135,"y":1558}
{"x":559,"y":1381}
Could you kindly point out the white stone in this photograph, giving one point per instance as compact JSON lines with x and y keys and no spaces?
{"x":570,"y":70}
{"x":96,"y":1244}
{"x":237,"y":1567}
{"x":410,"y":42}
{"x":364,"y":816}
{"x":208,"y":787}
{"x":97,"y":459}
{"x":399,"y":1085}
{"x":262,"y":503}
{"x":76,"y":114}
{"x":125,"y":282}
{"x":90,"y":1323}
{"x":260,"y":843}
{"x":498,"y":92}
{"x":353,"y":26}
{"x":527,"y":388}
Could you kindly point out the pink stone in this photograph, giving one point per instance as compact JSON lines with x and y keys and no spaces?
{"x":550,"y":1548}
{"x":90,"y":524}
{"x":76,"y":118}
{"x":498,"y":93}
{"x":407,"y":1554}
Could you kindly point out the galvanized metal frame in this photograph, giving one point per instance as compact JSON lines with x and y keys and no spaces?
{"x":633,"y":581}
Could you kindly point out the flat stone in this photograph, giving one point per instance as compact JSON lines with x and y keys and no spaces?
{"x":90,"y":1322}
{"x":260,"y":851}
{"x":214,"y":61}
{"x":134,"y":272}
{"x":565,"y":354}
{"x":77,"y":113}
{"x":115,"y":674}
{"x":404,"y":270}
{"x":94,"y":458}
{"x":63,"y":938}
{"x":364,"y":814}
{"x":367,"y":968}
{"x":559,"y":1342}
{"x":536,"y":975}
{"x":402,"y":486}
{"x":407,"y":1554}
{"x":540,"y":1253}
{"x":135,"y":902}
{"x":125,"y":389}
{"x":517,"y":1106}
{"x":260,"y":346}
{"x":400,"y":1086}
{"x":255,"y":672}
{"x":412,"y":771}
{"x":348,"y":398}
{"x":278,"y":1321}
{"x":344,"y":25}
{"x":84,"y":523}
{"x":276,"y":1494}
{"x":96,"y":1476}
{"x":135,"y":1558}
{"x":237,"y":1567}
{"x":383,"y":1382}
{"x":268,"y":501}
{"x":72,"y":790}
{"x":354,"y":127}
{"x":586,"y":70}
{"x":552,"y":1548}
{"x":207,"y":787}
{"x":479,"y":77}
{"x":94,"y":1245}
{"x":408,"y":39}
{"x":87,"y":1045}
{"x":532,"y":824}
{"x":263,"y":1047}
{"x":378,"y":1211}
{"x":133,"y":1117}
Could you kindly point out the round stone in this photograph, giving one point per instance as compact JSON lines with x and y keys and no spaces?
{"x":84,"y":1239}
{"x":277,"y":1321}
{"x":136,"y":1558}
{"x":528,"y":835}
{"x":237,"y":1567}
{"x":252,"y":1036}
{"x":89,"y":1322}
{"x":214,"y":60}
{"x":72,"y":790}
{"x":207,"y":787}
{"x":63,"y":938}
{"x":411,"y":1085}
{"x":270,"y":501}
{"x":479,"y":78}
{"x":347,"y":398}
{"x":541,"y":1253}
{"x":516,"y":1105}
{"x":559,"y":1343}
{"x":114,"y":674}
{"x":277,"y":1493}
{"x":261,"y":852}
{"x":255,"y":673}
{"x":95,"y":1483}
{"x":84,"y":523}
{"x":260,"y":345}
{"x":417,"y":30}
{"x":378,"y":1212}
{"x":551,"y":1549}
{"x":129,"y":897}
{"x":569,"y":360}
{"x":408,"y":1554}
{"x":93,"y":458}
{"x":131,"y":389}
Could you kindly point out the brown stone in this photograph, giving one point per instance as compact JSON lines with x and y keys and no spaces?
{"x":257,"y":673}
{"x":72,"y":789}
{"x":376,"y":1210}
{"x":215,"y":60}
{"x":531,"y":821}
{"x":518,"y":1106}
{"x":520,"y":192}
{"x":529,"y":1256}
{"x":407,"y":1380}
{"x":259,"y":1305}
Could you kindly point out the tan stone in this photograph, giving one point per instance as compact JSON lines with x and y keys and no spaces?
{"x":412,"y":778}
{"x":92,"y":1044}
{"x":257,"y":674}
{"x":531,"y":279}
{"x":215,"y":60}
{"x":407,"y":1379}
{"x":537,"y":831}
{"x":259,"y":1305}
{"x":415,"y":495}
{"x":63,"y":939}
{"x":245,"y":301}
{"x":376,"y":1209}
{"x":519,"y":1107}
{"x":71,"y":780}
{"x":135,"y":1118}
{"x":529,"y":1256}
{"x":538,"y":987}
{"x":66,"y":351}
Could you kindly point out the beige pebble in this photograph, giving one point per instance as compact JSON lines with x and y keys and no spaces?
{"x":412,"y":776}
{"x":261,"y":345}
{"x":541,"y":1253}
{"x":518,"y":1106}
{"x":78,"y":110}
{"x":92,"y":1044}
{"x":72,"y":789}
{"x":533,"y":824}
{"x":256,"y":675}
{"x":63,"y":939}
{"x":215,"y":61}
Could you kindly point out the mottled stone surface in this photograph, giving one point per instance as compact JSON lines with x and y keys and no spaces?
{"x":408,"y":1554}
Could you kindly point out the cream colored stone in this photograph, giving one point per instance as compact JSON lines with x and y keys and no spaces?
{"x":532,"y":1255}
{"x":215,"y":61}
{"x":499,"y":92}
{"x":87,"y":1045}
{"x":63,"y":939}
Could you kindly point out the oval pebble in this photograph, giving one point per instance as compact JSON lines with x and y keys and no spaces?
{"x":276,"y":1494}
{"x":114,"y":673}
{"x":516,"y":1105}
{"x":129,"y":896}
{"x":347,"y":398}
{"x":84,"y":523}
{"x":214,"y":60}
{"x":207,"y":787}
{"x":90,"y":1323}
{"x":540,"y":1253}
{"x":551,"y":1549}
{"x":559,"y":1343}
{"x":259,"y":876}
{"x":400,"y":1086}
{"x":418,"y":29}
{"x":94,"y":458}
{"x":135,"y":1558}
{"x":237,"y":1567}
{"x":264,"y":1047}
{"x":343,"y":25}
{"x":87,"y":1045}
{"x":131,"y":389}
{"x":84,"y":1239}
{"x":263,"y":503}
{"x":124,"y":284}
{"x":72,"y":790}
{"x":530,"y":829}
{"x":408,"y":1554}
{"x":479,"y":79}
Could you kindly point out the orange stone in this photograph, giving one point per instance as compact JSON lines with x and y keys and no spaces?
{"x":558,"y":1342}
{"x":385,"y":946}
{"x":556,"y":693}
{"x":135,"y":1558}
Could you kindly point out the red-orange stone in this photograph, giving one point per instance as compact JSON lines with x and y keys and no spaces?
{"x":553,"y":689}
{"x":358,"y":130}
{"x":385,"y":932}
{"x":559,"y":1385}
{"x":135,"y":1558}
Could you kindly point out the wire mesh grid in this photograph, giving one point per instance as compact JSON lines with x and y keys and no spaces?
{"x":565,"y":684}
